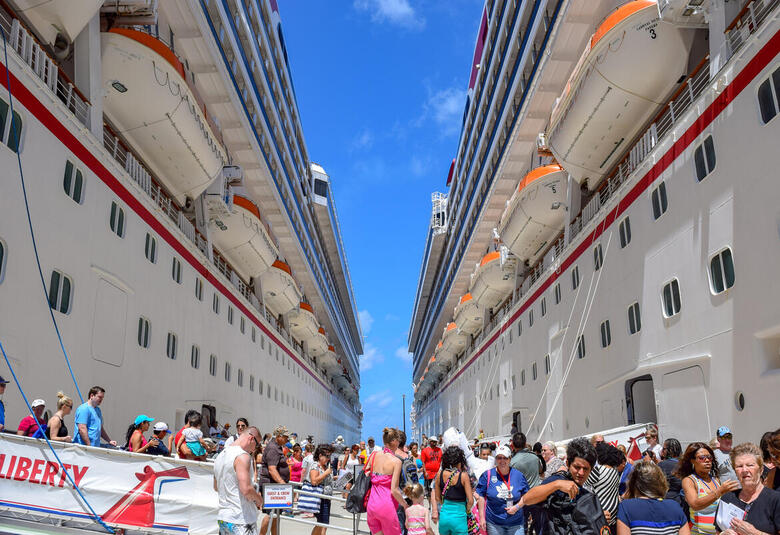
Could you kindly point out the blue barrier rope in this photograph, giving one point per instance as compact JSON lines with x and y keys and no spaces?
{"x":29,"y":221}
{"x":62,"y":467}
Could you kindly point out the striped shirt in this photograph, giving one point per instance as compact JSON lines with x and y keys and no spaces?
{"x":604,"y":481}
{"x":651,"y":517}
{"x":703,"y":520}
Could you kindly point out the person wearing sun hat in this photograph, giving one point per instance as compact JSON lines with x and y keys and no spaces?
{"x":33,"y":425}
{"x":723,"y":454}
{"x":136,"y":441}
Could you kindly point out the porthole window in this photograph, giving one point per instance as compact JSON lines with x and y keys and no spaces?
{"x":659,"y":200}
{"x":2,"y":260}
{"x":519,"y":328}
{"x":557,"y":293}
{"x":530,"y":318}
{"x":575,"y":277}
{"x":769,"y":96}
{"x":721,"y":271}
{"x":144,"y":332}
{"x":251,"y":383}
{"x":533,"y":371}
{"x":170,"y":347}
{"x":150,"y":248}
{"x":60,"y":289}
{"x":634,"y":319}
{"x":704,"y":158}
{"x":215,"y":303}
{"x":230,"y":315}
{"x":176,"y":270}
{"x":260,"y":386}
{"x":254,"y":334}
{"x":213,"y":365}
{"x":598,"y":258}
{"x":73,"y":182}
{"x":11,"y":130}
{"x":117,"y":220}
{"x":671,"y":298}
{"x":739,"y":401}
{"x":624,"y":230}
{"x":195,"y":357}
{"x":606,"y":334}
{"x":547,"y":364}
{"x":227,"y":372}
{"x":581,"y":347}
{"x":514,"y":383}
{"x":544,"y":306}
{"x":522,"y":377}
{"x":242,"y":325}
{"x":240,"y":377}
{"x":198,"y":288}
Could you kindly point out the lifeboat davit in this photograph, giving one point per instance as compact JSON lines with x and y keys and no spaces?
{"x":468,"y":315}
{"x":630,"y":67}
{"x":318,"y":345}
{"x":303,"y":322}
{"x":146,"y":96}
{"x":535,"y":213}
{"x":494,"y":278}
{"x":280,"y":291}
{"x":242,"y":238}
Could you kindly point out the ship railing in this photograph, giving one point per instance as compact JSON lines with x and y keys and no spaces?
{"x":747,"y":22}
{"x":23,"y":42}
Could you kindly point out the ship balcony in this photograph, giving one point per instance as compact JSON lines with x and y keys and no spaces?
{"x":149,"y":100}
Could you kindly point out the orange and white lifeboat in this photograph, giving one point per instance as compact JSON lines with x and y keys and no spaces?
{"x":242,"y":238}
{"x":468,"y":315}
{"x":147,"y":97}
{"x":330,"y":360}
{"x":494,"y":278}
{"x":630,"y":67}
{"x":535,"y":213}
{"x":280,"y":291}
{"x":453,"y":343}
{"x":318,"y":345}
{"x":303,"y":323}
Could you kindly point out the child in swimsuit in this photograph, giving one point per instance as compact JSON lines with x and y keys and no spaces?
{"x":418,"y":517}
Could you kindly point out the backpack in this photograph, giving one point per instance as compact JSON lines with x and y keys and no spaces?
{"x":408,"y":472}
{"x":584,"y":516}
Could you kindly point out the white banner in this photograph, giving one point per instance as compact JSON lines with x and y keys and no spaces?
{"x":139,"y":492}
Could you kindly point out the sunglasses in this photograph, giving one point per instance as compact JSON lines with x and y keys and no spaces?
{"x":704,"y":458}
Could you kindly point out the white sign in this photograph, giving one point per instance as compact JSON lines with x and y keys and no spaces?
{"x":129,"y":490}
{"x":277,"y":496}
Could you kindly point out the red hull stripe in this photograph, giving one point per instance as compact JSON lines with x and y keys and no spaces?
{"x":24,"y":96}
{"x":745,"y":77}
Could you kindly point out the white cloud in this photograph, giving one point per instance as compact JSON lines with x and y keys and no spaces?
{"x":371,"y":356}
{"x":363,"y":140}
{"x":366,"y":321}
{"x":380,"y":399}
{"x":446,"y":108}
{"x":399,"y":12}
{"x":403,"y":354}
{"x":420,"y":166}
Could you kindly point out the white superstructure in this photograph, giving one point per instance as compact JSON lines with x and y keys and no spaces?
{"x":178,"y":220}
{"x":644,"y":285}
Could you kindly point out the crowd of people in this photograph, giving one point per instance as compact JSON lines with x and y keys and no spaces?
{"x":590,"y":486}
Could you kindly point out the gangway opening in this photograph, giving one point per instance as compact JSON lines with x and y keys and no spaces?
{"x":640,"y":400}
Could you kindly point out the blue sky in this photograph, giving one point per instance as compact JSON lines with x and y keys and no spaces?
{"x":381,"y":86}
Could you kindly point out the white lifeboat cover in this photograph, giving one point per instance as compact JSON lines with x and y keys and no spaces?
{"x":468,"y":315}
{"x":493,"y":279}
{"x":280,"y":291}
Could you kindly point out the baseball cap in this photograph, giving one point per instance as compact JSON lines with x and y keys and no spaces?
{"x":281,"y":431}
{"x":723,"y":431}
{"x":504,"y":452}
{"x":433,"y":438}
{"x":371,"y":439}
{"x":3,"y":381}
{"x":161,"y":426}
{"x":38,"y":403}
{"x":340,"y":438}
{"x":141,"y":418}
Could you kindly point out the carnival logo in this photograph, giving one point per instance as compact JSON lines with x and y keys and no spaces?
{"x":136,"y":508}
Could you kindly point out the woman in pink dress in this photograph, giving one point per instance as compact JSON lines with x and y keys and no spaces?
{"x":295,"y":462}
{"x":385,"y":495}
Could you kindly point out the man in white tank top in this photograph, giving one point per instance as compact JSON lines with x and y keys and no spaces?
{"x":238,"y":499}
